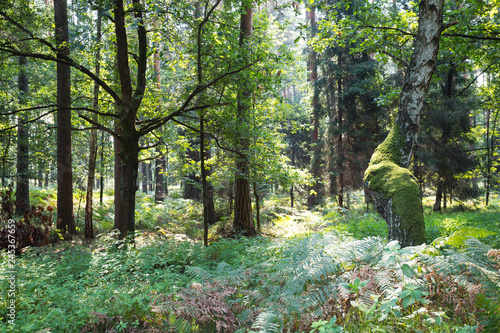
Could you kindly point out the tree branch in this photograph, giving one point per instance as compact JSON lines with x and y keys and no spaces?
{"x":101,"y":127}
{"x":395,"y":57}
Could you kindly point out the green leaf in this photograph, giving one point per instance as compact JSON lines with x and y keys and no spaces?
{"x":407,"y":301}
{"x":407,"y":270}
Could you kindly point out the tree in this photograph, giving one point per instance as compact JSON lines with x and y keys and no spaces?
{"x":65,"y":218}
{"x":127,"y":97}
{"x":22,"y":184}
{"x":89,"y":231}
{"x":444,"y":141}
{"x":316,"y":193}
{"x":243,"y":218}
{"x":390,"y":183}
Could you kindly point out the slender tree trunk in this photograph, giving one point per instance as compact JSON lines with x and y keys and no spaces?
{"x":257,"y":204}
{"x":390,"y":183}
{"x":293,"y":164}
{"x":89,"y":228}
{"x":243,"y":219}
{"x":144,"y":170}
{"x":22,"y":184}
{"x":439,"y":195}
{"x":101,"y":178}
{"x":65,"y":216}
{"x":160,"y":161}
{"x":340,"y":143}
{"x":445,"y":194}
{"x":210,"y":189}
{"x":4,"y":157}
{"x":332,"y":113}
{"x":207,"y":189}
{"x":231,"y":200}
{"x":117,"y":146}
{"x":150,"y":178}
{"x":316,"y":195}
{"x":40,"y":175}
{"x":488,"y":157}
{"x":204,"y":179}
{"x":159,"y":181}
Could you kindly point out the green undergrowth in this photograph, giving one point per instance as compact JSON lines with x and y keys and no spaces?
{"x":327,"y":270}
{"x":296,"y":284}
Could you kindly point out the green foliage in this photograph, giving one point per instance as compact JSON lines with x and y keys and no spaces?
{"x":317,"y":282}
{"x":323,"y":326}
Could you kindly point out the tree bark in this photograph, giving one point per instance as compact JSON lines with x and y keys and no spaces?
{"x":257,"y":204}
{"x":128,"y":135}
{"x":243,"y":218}
{"x":117,"y":147}
{"x":392,"y":186}
{"x":144,"y":169}
{"x":89,"y":228}
{"x":488,"y":158}
{"x":160,"y":193}
{"x":192,"y":182}
{"x":101,"y":178}
{"x":22,"y":184}
{"x":340,"y":143}
{"x":316,"y":191}
{"x":65,"y":216}
{"x":439,"y":195}
{"x":207,"y":214}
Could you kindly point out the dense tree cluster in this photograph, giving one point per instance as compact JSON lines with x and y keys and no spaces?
{"x":233,"y":99}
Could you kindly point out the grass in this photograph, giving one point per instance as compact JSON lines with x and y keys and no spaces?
{"x":114,"y":286}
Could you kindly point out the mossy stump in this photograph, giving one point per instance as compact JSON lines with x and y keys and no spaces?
{"x":395,"y":192}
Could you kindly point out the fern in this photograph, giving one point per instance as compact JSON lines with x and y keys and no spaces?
{"x":302,"y":282}
{"x":459,"y":238}
{"x":266,"y":323}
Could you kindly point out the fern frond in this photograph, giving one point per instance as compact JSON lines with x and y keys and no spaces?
{"x":266,"y":322}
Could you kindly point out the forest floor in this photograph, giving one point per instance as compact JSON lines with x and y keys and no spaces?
{"x":327,"y":270}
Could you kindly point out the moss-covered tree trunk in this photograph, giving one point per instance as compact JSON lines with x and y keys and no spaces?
{"x":392,"y":186}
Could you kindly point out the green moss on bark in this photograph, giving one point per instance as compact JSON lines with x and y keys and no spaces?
{"x":396,"y":192}
{"x":389,"y":149}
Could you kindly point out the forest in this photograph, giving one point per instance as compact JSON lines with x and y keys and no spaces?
{"x":249,"y":166}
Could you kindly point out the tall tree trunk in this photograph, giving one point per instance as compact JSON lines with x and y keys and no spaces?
{"x":129,"y":103}
{"x":89,"y":229}
{"x":65,"y":216}
{"x":22,"y":184}
{"x":101,"y":178}
{"x":204,"y":182}
{"x":293,"y":164}
{"x":117,"y":147}
{"x":488,"y":157}
{"x":243,"y":219}
{"x":4,"y":158}
{"x":390,"y":183}
{"x":316,"y":195}
{"x":340,"y":143}
{"x":160,"y":187}
{"x":144,"y":171}
{"x":150,"y":177}
{"x":207,"y":189}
